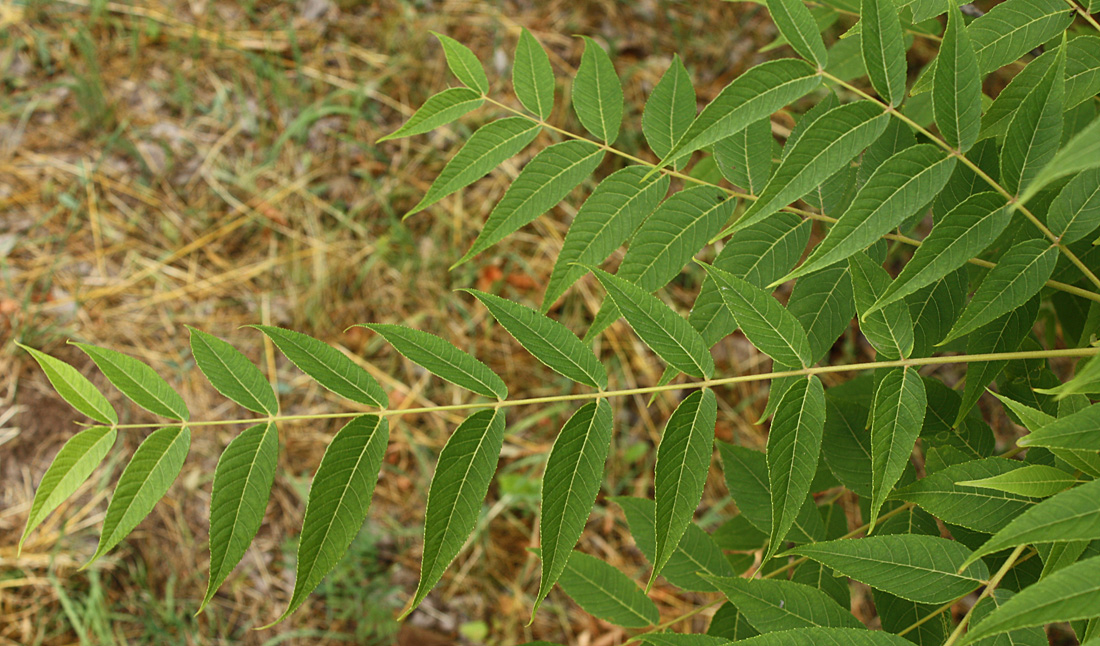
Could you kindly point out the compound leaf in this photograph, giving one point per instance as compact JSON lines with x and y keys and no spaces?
{"x":957,"y":89}
{"x":883,"y":47}
{"x":1035,"y":132}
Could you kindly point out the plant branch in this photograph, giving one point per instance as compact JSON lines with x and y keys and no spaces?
{"x":722,"y":381}
{"x":1012,"y":200}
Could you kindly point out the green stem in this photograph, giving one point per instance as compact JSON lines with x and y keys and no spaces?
{"x":994,"y":184}
{"x":722,"y":381}
{"x":993,"y":583}
{"x":1084,"y":14}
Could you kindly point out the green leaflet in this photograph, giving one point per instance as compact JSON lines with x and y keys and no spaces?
{"x":1085,"y":380}
{"x":678,"y":639}
{"x":532,"y":76}
{"x":597,"y":93}
{"x":463,"y":63}
{"x":753,"y":96}
{"x":934,"y":309}
{"x":603,"y":591}
{"x":957,"y":237}
{"x":667,"y":241}
{"x":979,"y":509}
{"x":1034,"y":480}
{"x":438,"y":110}
{"x":957,"y":89}
{"x":794,"y":447}
{"x":896,"y":419}
{"x":151,"y":471}
{"x":242,"y":486}
{"x":924,"y":569}
{"x":138,"y":381}
{"x":574,"y":471}
{"x":846,"y":444}
{"x":1003,"y":334}
{"x":1070,"y":593}
{"x":897,"y":614}
{"x":767,"y":324}
{"x":1075,"y":212}
{"x":543,"y":182}
{"x":1030,"y":636}
{"x":729,"y":623}
{"x":683,"y":460}
{"x":670,"y":109}
{"x":330,"y":367}
{"x":745,"y":158}
{"x":547,"y":340}
{"x":759,"y":254}
{"x":74,"y":387}
{"x":232,"y":374}
{"x":660,"y":328}
{"x":827,"y":637}
{"x":486,"y":149}
{"x":462,"y":475}
{"x":620,"y":203}
{"x":896,"y":190}
{"x":824,"y":304}
{"x":1082,"y":152}
{"x":1007,"y":32}
{"x":1076,"y":431}
{"x":339,"y":499}
{"x":882,"y":45}
{"x":890,"y":329}
{"x":797,"y":26}
{"x":72,"y":465}
{"x":696,"y":555}
{"x":1035,"y":132}
{"x":443,"y":359}
{"x":776,"y":605}
{"x":746,"y":474}
{"x":826,"y":146}
{"x":1020,"y":273}
{"x":1068,"y":516}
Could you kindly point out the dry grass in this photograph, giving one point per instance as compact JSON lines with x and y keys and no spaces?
{"x":212,"y":164}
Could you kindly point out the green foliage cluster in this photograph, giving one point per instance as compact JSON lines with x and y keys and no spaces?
{"x":1012,"y":187}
